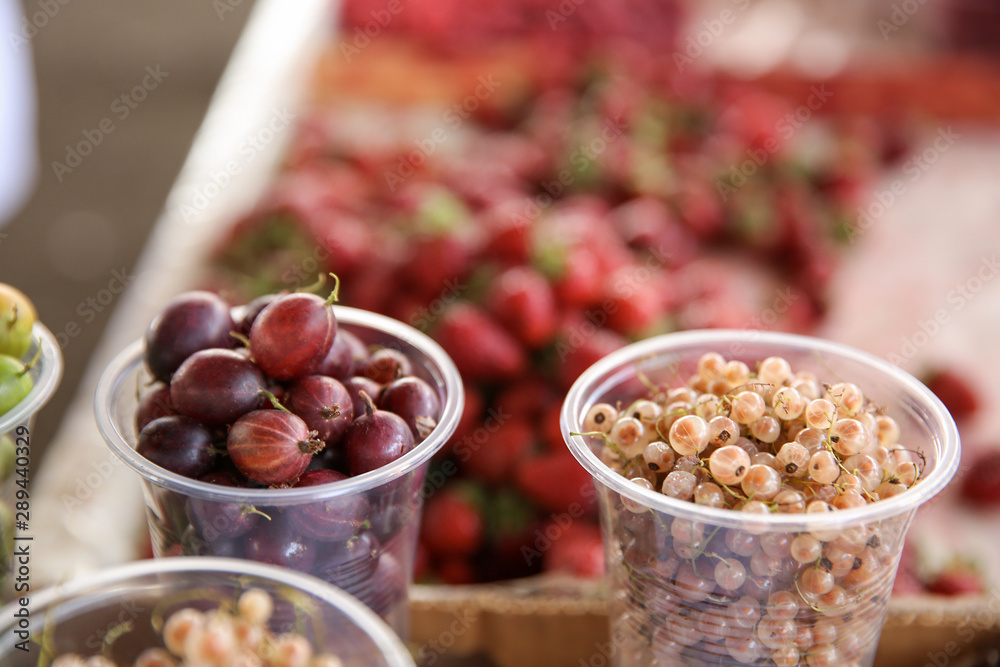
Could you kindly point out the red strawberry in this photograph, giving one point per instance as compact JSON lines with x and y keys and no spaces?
{"x":495,"y":460}
{"x":452,"y":523}
{"x":472,"y":413}
{"x":580,"y":282}
{"x":957,"y":580}
{"x":579,"y":550}
{"x":981,"y":484}
{"x":435,"y":262}
{"x":557,"y":483}
{"x":508,"y":233}
{"x":954,"y":391}
{"x":455,"y":571}
{"x":550,"y":429}
{"x":577,"y":351}
{"x":528,"y":398}
{"x":421,"y":563}
{"x":481,"y":349}
{"x":523,"y":302}
{"x":634,"y":304}
{"x":646,"y":223}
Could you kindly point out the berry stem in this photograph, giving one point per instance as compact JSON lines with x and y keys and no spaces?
{"x":335,"y":294}
{"x":274,"y":400}
{"x":369,"y":404}
{"x":241,"y":338}
{"x":250,"y":509}
{"x":34,"y":360}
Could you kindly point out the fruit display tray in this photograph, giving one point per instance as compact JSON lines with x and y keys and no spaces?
{"x":90,"y":506}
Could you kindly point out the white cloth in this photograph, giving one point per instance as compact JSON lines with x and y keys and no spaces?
{"x":18,"y":140}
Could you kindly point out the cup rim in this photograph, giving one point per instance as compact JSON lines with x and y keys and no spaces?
{"x":112,"y":578}
{"x":578,"y":398}
{"x":132,"y":357}
{"x":50,"y":365}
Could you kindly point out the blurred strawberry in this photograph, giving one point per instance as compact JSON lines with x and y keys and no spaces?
{"x":511,"y":525}
{"x":345,"y":241}
{"x":981,"y":483}
{"x":957,"y":579}
{"x":435,"y":261}
{"x":557,"y":483}
{"x":700,"y":209}
{"x":578,"y":281}
{"x":508,"y":233}
{"x":527,"y":398}
{"x":647,"y":224}
{"x":421,"y":563}
{"x":452,"y":524}
{"x":579,"y":550}
{"x":577,"y":351}
{"x":522,"y":301}
{"x":754,"y":118}
{"x":471,"y":418}
{"x":954,"y":391}
{"x":550,"y":429}
{"x":495,"y":460}
{"x":456,"y":571}
{"x":633,"y":303}
{"x":480,"y":347}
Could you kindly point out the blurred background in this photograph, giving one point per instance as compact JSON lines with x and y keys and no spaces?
{"x":81,"y":228}
{"x":820,"y":167}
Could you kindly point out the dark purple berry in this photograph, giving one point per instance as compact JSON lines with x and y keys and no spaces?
{"x":326,"y":520}
{"x":178,"y":444}
{"x":323,"y":404}
{"x":376,"y":438}
{"x":188,"y":323}
{"x":415,"y":401}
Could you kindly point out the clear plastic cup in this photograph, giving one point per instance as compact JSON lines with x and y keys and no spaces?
{"x":375,"y":562}
{"x":119,"y":610}
{"x":15,"y":444}
{"x":666,"y":605}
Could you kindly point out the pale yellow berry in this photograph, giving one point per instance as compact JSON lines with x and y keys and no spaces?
{"x":255,"y":606}
{"x":178,"y":627}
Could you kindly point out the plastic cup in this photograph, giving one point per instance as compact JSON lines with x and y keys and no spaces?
{"x":15,"y":444}
{"x":666,"y":606}
{"x":117,"y":610}
{"x":373,"y":560}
